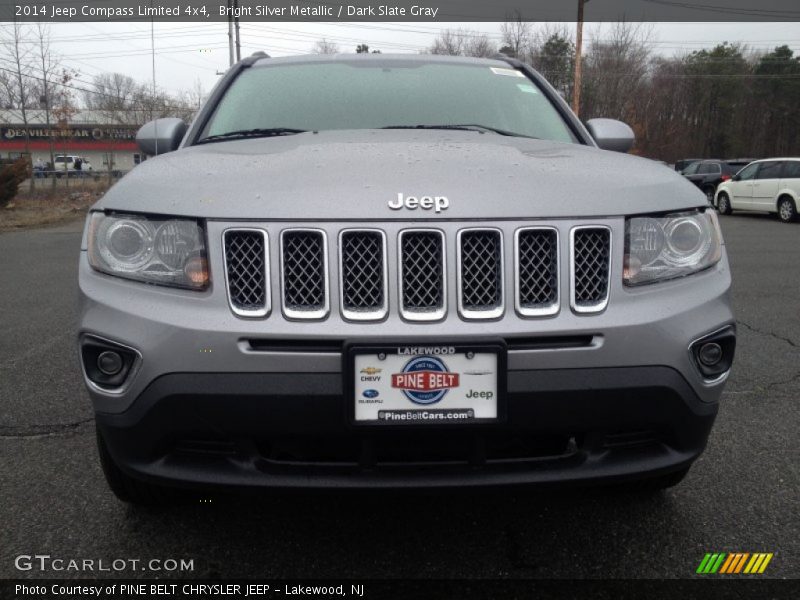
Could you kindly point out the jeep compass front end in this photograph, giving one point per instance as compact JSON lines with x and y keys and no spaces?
{"x":384,"y":271}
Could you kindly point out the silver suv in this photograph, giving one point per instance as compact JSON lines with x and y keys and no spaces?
{"x":399,"y":271}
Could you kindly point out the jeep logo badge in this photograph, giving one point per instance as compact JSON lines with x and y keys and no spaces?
{"x":437,"y":203}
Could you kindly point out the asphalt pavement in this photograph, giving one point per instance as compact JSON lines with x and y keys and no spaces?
{"x":741,"y":495}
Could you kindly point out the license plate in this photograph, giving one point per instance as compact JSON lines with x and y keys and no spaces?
{"x":426,"y":384}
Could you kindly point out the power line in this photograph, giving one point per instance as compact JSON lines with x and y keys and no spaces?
{"x":84,"y":90}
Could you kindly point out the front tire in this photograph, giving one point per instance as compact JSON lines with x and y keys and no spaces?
{"x":709,"y":190}
{"x":130,"y":490}
{"x":787,"y":211}
{"x":724,"y":204}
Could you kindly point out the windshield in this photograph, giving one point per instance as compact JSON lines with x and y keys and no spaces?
{"x":322,"y":96}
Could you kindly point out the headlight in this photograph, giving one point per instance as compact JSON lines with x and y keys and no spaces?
{"x":670,"y":246}
{"x":162,"y":251}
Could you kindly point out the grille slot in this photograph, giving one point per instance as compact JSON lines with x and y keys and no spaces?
{"x":480,"y":282}
{"x":362,"y":271}
{"x":537,"y":272}
{"x":590,"y":268}
{"x":304,"y":258}
{"x":247,"y":271}
{"x":422,"y":269}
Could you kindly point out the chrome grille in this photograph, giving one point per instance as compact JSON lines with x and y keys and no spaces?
{"x":422,"y":268}
{"x":591,"y":252}
{"x":363,"y":291}
{"x":247,"y":271}
{"x":304,"y":258}
{"x":480,"y":281}
{"x":362,"y":272}
{"x":537,"y":271}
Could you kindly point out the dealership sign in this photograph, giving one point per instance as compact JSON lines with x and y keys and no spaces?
{"x":76,"y":133}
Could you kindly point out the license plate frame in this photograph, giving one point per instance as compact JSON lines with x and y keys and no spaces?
{"x":406,"y":350}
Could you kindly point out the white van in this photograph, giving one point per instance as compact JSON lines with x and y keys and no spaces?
{"x":770,"y":185}
{"x":69,"y":164}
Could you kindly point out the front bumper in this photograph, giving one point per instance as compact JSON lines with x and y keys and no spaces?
{"x":220,"y":400}
{"x":280,"y":430}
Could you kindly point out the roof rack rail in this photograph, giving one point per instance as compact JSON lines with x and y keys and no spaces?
{"x":514,"y":62}
{"x":254,"y":57}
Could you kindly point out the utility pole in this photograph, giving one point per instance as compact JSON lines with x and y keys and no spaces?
{"x":576,"y":91}
{"x":230,"y":33}
{"x":236,"y":24}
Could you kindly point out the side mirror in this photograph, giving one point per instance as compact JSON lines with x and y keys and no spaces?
{"x":161,"y":135}
{"x":611,"y":134}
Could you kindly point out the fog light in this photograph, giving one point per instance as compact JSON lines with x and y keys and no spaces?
{"x":109,"y":363}
{"x":710,"y":354}
{"x":713,"y":354}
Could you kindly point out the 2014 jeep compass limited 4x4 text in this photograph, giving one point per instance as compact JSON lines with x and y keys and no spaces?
{"x":384,"y":271}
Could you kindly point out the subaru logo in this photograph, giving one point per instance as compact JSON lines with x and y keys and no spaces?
{"x":370,"y":393}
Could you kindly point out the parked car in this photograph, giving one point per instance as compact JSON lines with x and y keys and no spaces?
{"x":708,"y":174}
{"x":71,"y":166}
{"x":447,"y":280}
{"x":680,"y":165}
{"x":770,"y":185}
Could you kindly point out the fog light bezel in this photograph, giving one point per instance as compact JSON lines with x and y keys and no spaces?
{"x":725,"y":338}
{"x":90,"y":347}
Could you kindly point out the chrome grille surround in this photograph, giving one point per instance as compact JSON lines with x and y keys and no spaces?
{"x":305,"y":286}
{"x":418,"y":283}
{"x":363,"y":275}
{"x":422,"y":291}
{"x":247,"y":285}
{"x":480,"y":277}
{"x":590,"y":271}
{"x":538,"y":278}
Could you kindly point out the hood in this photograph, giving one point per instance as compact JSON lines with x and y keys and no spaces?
{"x":337,"y":175}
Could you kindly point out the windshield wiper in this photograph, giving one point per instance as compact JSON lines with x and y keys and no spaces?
{"x":464,"y":127}
{"x":249,"y":133}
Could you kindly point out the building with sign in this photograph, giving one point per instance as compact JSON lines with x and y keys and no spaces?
{"x":106,"y":142}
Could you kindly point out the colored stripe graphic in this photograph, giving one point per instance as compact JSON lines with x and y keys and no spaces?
{"x":758,"y":563}
{"x":740,"y":564}
{"x":726,"y":566}
{"x":711,"y":563}
{"x":718,"y":563}
{"x":734,"y":563}
{"x":764,"y":564}
{"x":703,"y":563}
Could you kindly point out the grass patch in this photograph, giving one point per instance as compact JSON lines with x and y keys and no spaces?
{"x":46,"y":206}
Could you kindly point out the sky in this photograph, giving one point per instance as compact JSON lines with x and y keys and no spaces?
{"x":192,"y":54}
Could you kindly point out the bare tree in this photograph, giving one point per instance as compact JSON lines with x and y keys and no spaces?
{"x":448,"y":42}
{"x":20,"y":89}
{"x":48,"y":72}
{"x":64,"y":110}
{"x":516,"y":35}
{"x":615,"y":71}
{"x":463,"y":42}
{"x":113,"y":96}
{"x":324,"y":46}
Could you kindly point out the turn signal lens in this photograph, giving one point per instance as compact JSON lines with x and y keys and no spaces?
{"x":196,"y":270}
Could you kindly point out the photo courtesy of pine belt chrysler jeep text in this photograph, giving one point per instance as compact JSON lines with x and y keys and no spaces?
{"x":369,"y":271}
